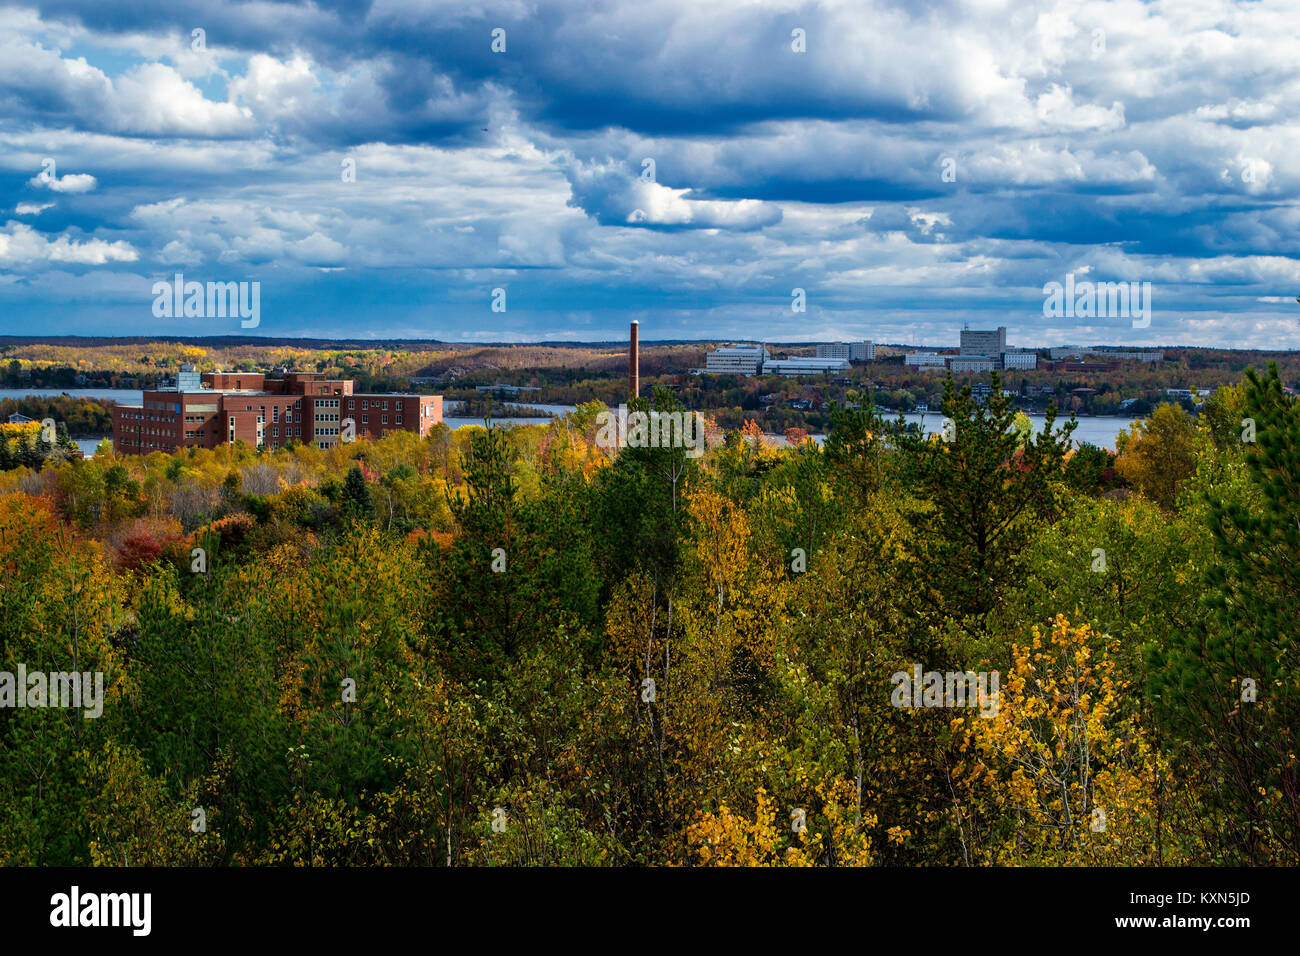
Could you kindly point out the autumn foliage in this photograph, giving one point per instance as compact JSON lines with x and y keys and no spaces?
{"x":510,"y":647}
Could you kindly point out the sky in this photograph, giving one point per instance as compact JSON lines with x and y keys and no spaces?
{"x":750,"y":171}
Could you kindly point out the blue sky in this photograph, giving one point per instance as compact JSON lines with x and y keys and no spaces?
{"x":915,"y":167}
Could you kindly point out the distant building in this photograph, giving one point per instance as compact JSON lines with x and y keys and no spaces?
{"x":975,"y":342}
{"x":247,"y":406}
{"x":805,"y":366}
{"x":1113,"y":355}
{"x":1020,"y":358}
{"x":931,"y":359}
{"x":972,"y":363}
{"x":506,"y":389}
{"x":737,"y":360}
{"x":16,"y":419}
{"x":853,"y":351}
{"x":981,"y":350}
{"x":1081,"y":366}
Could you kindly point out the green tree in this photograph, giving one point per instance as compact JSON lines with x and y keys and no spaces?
{"x":356,"y":503}
{"x":1230,"y":687}
{"x":980,"y":488}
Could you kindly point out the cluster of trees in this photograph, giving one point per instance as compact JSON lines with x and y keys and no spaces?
{"x":78,"y":416}
{"x":511,"y":646}
{"x":29,"y":445}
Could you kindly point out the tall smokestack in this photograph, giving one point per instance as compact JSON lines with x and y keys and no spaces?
{"x":634,"y":362}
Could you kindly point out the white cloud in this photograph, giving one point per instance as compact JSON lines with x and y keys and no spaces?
{"x":155,"y":99}
{"x":67,"y":183}
{"x":614,"y":196}
{"x":20,"y":243}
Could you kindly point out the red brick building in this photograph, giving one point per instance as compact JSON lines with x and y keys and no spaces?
{"x":221,"y":407}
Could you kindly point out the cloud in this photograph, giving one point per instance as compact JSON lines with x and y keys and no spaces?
{"x":153,"y":99}
{"x":614,"y":196}
{"x":1158,"y":139}
{"x":20,"y":244}
{"x":41,"y":85}
{"x":67,"y":183}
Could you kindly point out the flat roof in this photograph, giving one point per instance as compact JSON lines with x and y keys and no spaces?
{"x":391,"y":395}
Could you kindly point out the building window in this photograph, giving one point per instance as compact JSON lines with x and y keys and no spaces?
{"x":385,"y":417}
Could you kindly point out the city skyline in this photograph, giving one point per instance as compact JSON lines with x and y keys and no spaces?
{"x":382,"y":171}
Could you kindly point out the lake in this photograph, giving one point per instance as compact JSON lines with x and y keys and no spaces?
{"x":123,"y":396}
{"x":1094,"y":431}
{"x":1091,"y":431}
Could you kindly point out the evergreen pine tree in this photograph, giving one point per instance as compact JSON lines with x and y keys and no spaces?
{"x":983,"y":482}
{"x":1230,"y":686}
{"x":356,"y":503}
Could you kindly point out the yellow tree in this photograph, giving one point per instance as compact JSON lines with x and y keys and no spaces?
{"x":1159,"y":454}
{"x":1064,"y":773}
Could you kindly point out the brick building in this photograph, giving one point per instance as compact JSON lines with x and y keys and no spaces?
{"x":221,"y":407}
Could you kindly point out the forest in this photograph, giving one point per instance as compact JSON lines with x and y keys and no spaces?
{"x":512,"y":647}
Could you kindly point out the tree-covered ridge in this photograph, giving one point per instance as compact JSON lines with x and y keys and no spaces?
{"x":512,"y":646}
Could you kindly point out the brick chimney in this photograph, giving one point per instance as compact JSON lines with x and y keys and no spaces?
{"x":634,"y":362}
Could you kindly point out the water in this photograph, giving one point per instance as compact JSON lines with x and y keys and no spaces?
{"x":555,"y":411}
{"x":1091,"y":430}
{"x":1094,"y":431}
{"x":123,"y":396}
{"x":454,"y":423}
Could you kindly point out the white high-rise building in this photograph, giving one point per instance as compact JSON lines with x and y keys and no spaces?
{"x":976,"y":342}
